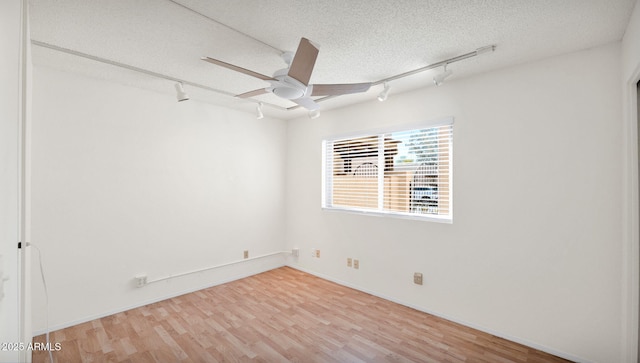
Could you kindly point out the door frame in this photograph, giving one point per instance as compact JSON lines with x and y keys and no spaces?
{"x":631,"y":219}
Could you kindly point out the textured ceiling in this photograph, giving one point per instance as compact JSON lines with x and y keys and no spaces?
{"x":360,"y":41}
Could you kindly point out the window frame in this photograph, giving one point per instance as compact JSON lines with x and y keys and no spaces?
{"x":328,"y":179}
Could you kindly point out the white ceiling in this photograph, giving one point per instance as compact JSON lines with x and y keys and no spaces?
{"x":360,"y":40}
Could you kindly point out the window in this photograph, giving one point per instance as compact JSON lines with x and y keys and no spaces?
{"x":401,"y":172}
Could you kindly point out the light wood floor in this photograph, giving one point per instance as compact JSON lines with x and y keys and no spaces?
{"x":278,"y":316}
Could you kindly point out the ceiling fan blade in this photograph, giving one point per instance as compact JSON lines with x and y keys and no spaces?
{"x":339,"y":89}
{"x":303,"y":61}
{"x":257,"y":92}
{"x":307,"y":103}
{"x":238,"y":69}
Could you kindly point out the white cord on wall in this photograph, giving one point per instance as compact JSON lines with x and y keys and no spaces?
{"x":213,"y":267}
{"x":46,"y":299}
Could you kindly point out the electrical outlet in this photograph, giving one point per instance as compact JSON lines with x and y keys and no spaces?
{"x":318,"y":253}
{"x":356,"y":264}
{"x":313,"y":252}
{"x":349,"y":262}
{"x":295,"y":252}
{"x":246,"y":254}
{"x":141,"y":280}
{"x":417,"y":278}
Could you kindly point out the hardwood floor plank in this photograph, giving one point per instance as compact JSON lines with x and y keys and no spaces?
{"x":171,"y":343}
{"x":144,"y":357}
{"x":283,"y":315}
{"x":194,"y":350}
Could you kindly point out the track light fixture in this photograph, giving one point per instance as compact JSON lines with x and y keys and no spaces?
{"x":313,"y":114}
{"x":385,"y":93}
{"x":439,"y":78}
{"x":259,"y":110}
{"x":180,"y":93}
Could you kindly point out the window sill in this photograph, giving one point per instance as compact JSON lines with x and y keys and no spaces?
{"x":418,"y":217}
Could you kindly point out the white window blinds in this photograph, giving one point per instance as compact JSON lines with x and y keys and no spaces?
{"x":399,"y":172}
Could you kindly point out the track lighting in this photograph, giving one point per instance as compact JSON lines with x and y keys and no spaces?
{"x":313,"y":114}
{"x":385,"y":93}
{"x":439,"y":78}
{"x":259,"y":110}
{"x":182,"y":96}
{"x":180,"y":93}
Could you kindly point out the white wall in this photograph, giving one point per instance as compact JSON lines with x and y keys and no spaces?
{"x":128,"y":181}
{"x":631,"y":225}
{"x":534,"y":252}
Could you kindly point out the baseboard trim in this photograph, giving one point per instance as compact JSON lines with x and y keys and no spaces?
{"x":444,"y":316}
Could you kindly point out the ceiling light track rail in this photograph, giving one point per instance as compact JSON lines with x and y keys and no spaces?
{"x":140,"y":70}
{"x":475,"y":53}
{"x":479,"y":51}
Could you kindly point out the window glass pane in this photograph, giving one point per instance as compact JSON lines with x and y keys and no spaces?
{"x":405,"y":172}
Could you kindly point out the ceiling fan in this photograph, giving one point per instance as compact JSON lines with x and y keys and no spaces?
{"x":292,"y":83}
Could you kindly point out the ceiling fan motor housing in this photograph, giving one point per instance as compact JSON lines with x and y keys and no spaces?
{"x":287,"y":87}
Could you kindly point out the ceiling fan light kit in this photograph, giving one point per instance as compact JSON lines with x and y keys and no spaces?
{"x":287,"y":87}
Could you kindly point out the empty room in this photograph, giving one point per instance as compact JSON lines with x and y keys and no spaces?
{"x":319,"y":181}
